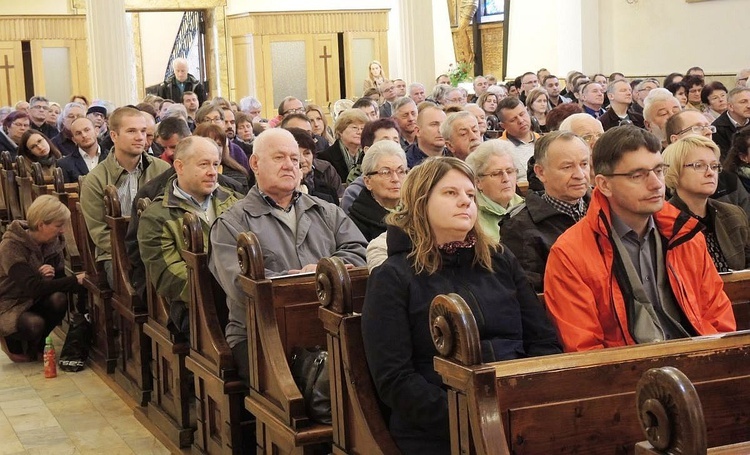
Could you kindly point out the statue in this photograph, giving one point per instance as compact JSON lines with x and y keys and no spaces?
{"x":466,"y":11}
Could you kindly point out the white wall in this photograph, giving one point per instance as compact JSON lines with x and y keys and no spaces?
{"x":659,"y":37}
{"x":158,"y":31}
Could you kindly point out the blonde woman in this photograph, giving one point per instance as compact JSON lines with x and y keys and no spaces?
{"x":693,"y":175}
{"x":375,"y":76}
{"x":436,"y":247}
{"x":345,"y":153}
{"x":319,"y":122}
{"x":33,"y":284}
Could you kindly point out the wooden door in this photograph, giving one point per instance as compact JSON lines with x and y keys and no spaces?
{"x":56,"y":64}
{"x":360,"y":48}
{"x":303,"y":66}
{"x":11,"y":73}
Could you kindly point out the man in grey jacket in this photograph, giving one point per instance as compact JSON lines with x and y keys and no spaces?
{"x":294,"y":229}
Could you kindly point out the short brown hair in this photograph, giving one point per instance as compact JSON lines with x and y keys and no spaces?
{"x":115,"y":120}
{"x":616,"y":142}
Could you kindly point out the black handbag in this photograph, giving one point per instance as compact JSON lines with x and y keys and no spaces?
{"x":75,"y":351}
{"x":310,"y":373}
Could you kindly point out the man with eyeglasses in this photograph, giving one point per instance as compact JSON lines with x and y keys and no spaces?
{"x":641,"y":91}
{"x":529,"y":230}
{"x":635,"y":269}
{"x":294,"y":229}
{"x":620,"y":113}
{"x":38,"y":111}
{"x":729,"y":187}
{"x":735,"y":117}
{"x":389,"y":94}
{"x":741,"y":79}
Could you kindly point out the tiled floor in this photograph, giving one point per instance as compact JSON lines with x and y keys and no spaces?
{"x":74,"y":413}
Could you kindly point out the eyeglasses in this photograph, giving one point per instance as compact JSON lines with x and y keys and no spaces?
{"x":591,"y":137}
{"x":40,"y":107}
{"x":37,"y":144}
{"x":385,"y":172}
{"x":501,"y":173}
{"x":698,"y":129}
{"x":640,"y":175}
{"x":294,"y":110}
{"x":700,"y":166}
{"x":213,"y":120}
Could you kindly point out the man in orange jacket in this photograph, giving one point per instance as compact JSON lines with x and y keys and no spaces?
{"x":635,"y":269}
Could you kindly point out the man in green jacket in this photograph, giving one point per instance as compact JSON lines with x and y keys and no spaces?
{"x":193,"y":189}
{"x":127,"y":167}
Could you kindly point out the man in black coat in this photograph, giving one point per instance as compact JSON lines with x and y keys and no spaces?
{"x":38,"y":110}
{"x":530,"y":229}
{"x":181,"y":81}
{"x":88,"y":154}
{"x":736,"y":116}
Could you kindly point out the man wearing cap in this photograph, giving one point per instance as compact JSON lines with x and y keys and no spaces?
{"x":98,"y":116}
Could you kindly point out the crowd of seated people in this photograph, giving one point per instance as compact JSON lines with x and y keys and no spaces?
{"x":594,"y":194}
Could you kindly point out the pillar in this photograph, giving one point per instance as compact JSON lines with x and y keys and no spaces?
{"x":111,"y":52}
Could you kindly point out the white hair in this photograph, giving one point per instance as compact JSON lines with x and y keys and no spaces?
{"x":380,"y":150}
{"x":657,"y":94}
{"x":248,"y":103}
{"x":179,"y":60}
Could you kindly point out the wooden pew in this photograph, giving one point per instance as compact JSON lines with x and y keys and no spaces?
{"x":3,"y":202}
{"x":24,"y":182}
{"x":672,"y":416}
{"x":104,"y":346}
{"x":10,"y":188}
{"x":132,"y":372}
{"x":358,"y":423}
{"x":73,"y":262}
{"x":577,"y":402}
{"x":281,"y":315}
{"x":172,"y":405}
{"x":223,"y":425}
{"x":737,"y":288}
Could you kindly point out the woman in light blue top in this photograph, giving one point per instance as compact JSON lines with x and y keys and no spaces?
{"x":492,"y":163}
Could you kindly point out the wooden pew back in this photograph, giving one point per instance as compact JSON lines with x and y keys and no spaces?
{"x":577,"y":402}
{"x":281,"y":315}
{"x":223,"y":425}
{"x":130,"y":312}
{"x":10,"y":188}
{"x":358,"y":422}
{"x":737,"y":288}
{"x":24,"y":182}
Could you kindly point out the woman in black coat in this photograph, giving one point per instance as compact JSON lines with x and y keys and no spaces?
{"x":435,"y":247}
{"x":384,"y":168}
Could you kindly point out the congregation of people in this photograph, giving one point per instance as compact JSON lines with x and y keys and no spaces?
{"x":621,"y":201}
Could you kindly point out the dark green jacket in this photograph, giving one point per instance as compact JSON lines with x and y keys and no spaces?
{"x":161,"y":241}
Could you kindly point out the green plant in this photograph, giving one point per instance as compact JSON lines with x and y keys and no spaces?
{"x":459,"y":72}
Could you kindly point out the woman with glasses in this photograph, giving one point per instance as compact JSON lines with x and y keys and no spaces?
{"x":35,"y":147}
{"x":492,"y":163}
{"x":14,"y":126}
{"x":714,"y":98}
{"x":436,"y":247}
{"x":346,"y":151}
{"x":693,"y":176}
{"x":384,"y":169}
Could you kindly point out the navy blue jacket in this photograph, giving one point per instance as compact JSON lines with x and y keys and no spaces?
{"x":512,"y":324}
{"x":73,"y":165}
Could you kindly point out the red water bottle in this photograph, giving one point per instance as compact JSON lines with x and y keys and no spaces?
{"x":50,"y":362}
